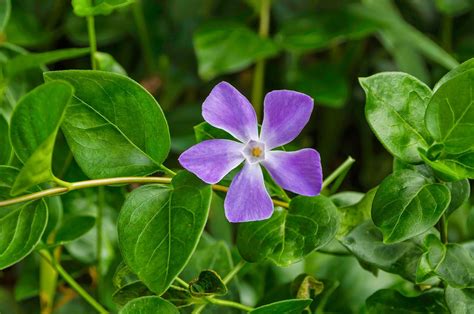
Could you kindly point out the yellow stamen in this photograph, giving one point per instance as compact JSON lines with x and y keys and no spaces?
{"x":256,"y":152}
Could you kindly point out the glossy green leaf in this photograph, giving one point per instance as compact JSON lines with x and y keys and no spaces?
{"x":365,"y":242}
{"x":74,"y":227}
{"x":464,"y":67}
{"x":160,"y":226}
{"x":452,"y":167}
{"x":294,"y":306}
{"x":451,"y":262}
{"x":290,"y":234}
{"x":130,"y":292}
{"x":98,"y":7}
{"x":459,"y":301}
{"x":460,"y":192}
{"x":33,"y":139}
{"x":407,"y":204}
{"x":105,"y":62}
{"x":5,"y":9}
{"x":392,"y":301}
{"x":208,"y":283}
{"x":354,"y":214}
{"x":395,"y":108}
{"x":5,"y":146}
{"x":28,"y":61}
{"x":114,"y":127}
{"x":150,"y":304}
{"x":323,"y":30}
{"x":21,"y":225}
{"x":450,"y":114}
{"x":223,"y":48}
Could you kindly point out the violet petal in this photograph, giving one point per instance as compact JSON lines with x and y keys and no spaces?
{"x":247,"y":198}
{"x":285,"y":115}
{"x":226,"y":108}
{"x":211,"y":160}
{"x":299,"y":172}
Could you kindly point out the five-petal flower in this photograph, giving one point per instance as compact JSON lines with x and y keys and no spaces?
{"x":285,"y":114}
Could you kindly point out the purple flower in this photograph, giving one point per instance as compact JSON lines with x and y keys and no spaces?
{"x":285,"y":115}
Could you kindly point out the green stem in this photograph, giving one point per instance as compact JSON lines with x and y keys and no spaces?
{"x":48,"y":281}
{"x":99,"y":223}
{"x":233,"y":272}
{"x":229,"y":304}
{"x":92,"y":40}
{"x":167,"y":170}
{"x":182,"y":282}
{"x":143,"y":36}
{"x":446,"y":32}
{"x":343,"y":168}
{"x":259,"y":74}
{"x":74,"y":285}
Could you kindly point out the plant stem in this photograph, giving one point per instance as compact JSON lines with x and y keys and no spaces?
{"x":343,"y":168}
{"x":99,"y":223}
{"x":182,"y":282}
{"x":446,"y":32}
{"x":229,"y":304}
{"x":143,"y":36}
{"x":233,"y":272}
{"x":167,"y":170}
{"x":48,"y":281}
{"x":92,"y":40}
{"x":259,"y":74}
{"x":74,"y":285}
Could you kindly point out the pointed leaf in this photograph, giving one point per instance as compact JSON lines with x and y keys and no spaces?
{"x":150,"y":304}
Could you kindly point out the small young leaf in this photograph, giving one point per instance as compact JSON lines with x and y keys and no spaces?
{"x":159,"y":228}
{"x":355,"y":214}
{"x":395,"y":108}
{"x":452,"y":167}
{"x":102,"y":7}
{"x":149,"y":304}
{"x":21,"y":225}
{"x":106,"y":62}
{"x":460,"y":301}
{"x":407,"y":204}
{"x":5,"y":146}
{"x":223,"y":48}
{"x":28,"y":61}
{"x":294,"y":306}
{"x":450,"y":114}
{"x":74,"y":227}
{"x":289,"y":235}
{"x":114,"y":127}
{"x":392,"y":301}
{"x":34,"y":125}
{"x":208,"y":283}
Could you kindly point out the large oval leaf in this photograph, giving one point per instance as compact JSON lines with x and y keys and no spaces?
{"x":395,"y":108}
{"x":34,"y":125}
{"x":460,"y":301}
{"x":160,"y":226}
{"x":407,"y":204}
{"x":21,"y":225}
{"x":289,"y":235}
{"x":450,"y":114}
{"x":114,"y":127}
{"x":151,"y":304}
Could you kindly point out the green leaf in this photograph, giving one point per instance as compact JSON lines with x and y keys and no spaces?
{"x":464,"y":67}
{"x":98,"y":7}
{"x":294,"y":306}
{"x":74,"y":227}
{"x":460,"y":192}
{"x":460,"y":301}
{"x":323,"y":30}
{"x":159,"y":228}
{"x":114,"y":127}
{"x":28,"y":61}
{"x":21,"y":225}
{"x":365,"y":242}
{"x":129,"y":292}
{"x":451,"y":262}
{"x":395,"y":108}
{"x":392,"y":301}
{"x":353,"y":215}
{"x":454,"y":7}
{"x":289,"y":235}
{"x":223,"y":48}
{"x":5,"y":9}
{"x":452,"y":167}
{"x":106,"y":62}
{"x":407,"y":204}
{"x":150,"y":304}
{"x":450,"y":114}
{"x":205,"y":131}
{"x":5,"y":146}
{"x":33,"y":138}
{"x":208,"y":283}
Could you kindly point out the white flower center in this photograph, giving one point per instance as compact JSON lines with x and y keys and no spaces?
{"x":254,"y":151}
